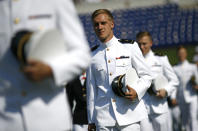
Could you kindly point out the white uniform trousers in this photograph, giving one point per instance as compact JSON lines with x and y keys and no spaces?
{"x":146,"y":125}
{"x":131,"y":127}
{"x":170,"y":120}
{"x":77,"y":127}
{"x":189,"y":115}
{"x":176,"y":118}
{"x":159,"y":121}
{"x":156,"y":122}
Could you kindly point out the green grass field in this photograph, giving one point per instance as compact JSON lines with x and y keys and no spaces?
{"x":171,"y":52}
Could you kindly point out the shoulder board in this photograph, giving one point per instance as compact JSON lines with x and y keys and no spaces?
{"x":126,"y":41}
{"x":159,"y":54}
{"x":94,"y":48}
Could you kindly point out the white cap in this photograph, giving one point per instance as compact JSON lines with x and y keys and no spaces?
{"x":160,"y":82}
{"x":45,"y":45}
{"x":130,"y":79}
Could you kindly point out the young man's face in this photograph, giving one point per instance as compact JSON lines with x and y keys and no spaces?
{"x":182,"y":54}
{"x":103,"y":27}
{"x":145,"y":44}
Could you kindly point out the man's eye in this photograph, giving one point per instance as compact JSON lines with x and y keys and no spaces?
{"x":96,"y":24}
{"x":142,"y":43}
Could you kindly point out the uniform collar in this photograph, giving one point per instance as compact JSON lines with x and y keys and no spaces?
{"x":111,"y":42}
{"x":150,"y":53}
{"x":184,"y":62}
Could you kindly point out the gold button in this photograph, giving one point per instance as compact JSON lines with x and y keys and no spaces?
{"x":84,"y":95}
{"x":16,"y":20}
{"x":114,"y":100}
{"x":83,"y":89}
{"x":107,"y":49}
{"x":110,"y":74}
{"x":109,"y":61}
{"x":23,"y":93}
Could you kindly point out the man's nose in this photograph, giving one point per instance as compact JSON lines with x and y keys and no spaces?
{"x":141,"y":46}
{"x":100,"y":26}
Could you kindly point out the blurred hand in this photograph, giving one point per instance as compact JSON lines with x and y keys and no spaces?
{"x":196,"y":87}
{"x":36,"y":70}
{"x":173,"y":102}
{"x":131,"y":94}
{"x":91,"y":127}
{"x":161,"y":93}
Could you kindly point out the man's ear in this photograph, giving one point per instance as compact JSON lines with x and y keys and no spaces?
{"x":112,"y":24}
{"x":151,"y":43}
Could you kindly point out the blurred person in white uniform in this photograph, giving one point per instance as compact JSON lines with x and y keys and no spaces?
{"x":174,"y":108}
{"x":195,"y":57}
{"x":186,"y":94}
{"x":195,"y":60}
{"x":156,"y":102}
{"x":106,"y":110}
{"x":31,"y":96}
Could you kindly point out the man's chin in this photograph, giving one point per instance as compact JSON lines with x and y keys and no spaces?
{"x":102,"y":38}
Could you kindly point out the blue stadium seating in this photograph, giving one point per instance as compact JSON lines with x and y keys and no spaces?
{"x":168,"y":24}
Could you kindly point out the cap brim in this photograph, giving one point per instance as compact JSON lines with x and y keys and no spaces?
{"x":45,"y":45}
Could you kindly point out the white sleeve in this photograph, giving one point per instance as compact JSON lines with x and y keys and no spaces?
{"x":77,"y":57}
{"x":143,"y":71}
{"x":169,"y":73}
{"x":195,"y":73}
{"x":91,"y":93}
{"x":173,"y":95}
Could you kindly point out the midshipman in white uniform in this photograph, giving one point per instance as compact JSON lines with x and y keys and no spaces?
{"x":156,"y":98}
{"x":186,"y":94}
{"x":106,"y":110}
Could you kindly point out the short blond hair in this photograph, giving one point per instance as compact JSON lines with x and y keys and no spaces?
{"x":142,"y":34}
{"x":102,"y":11}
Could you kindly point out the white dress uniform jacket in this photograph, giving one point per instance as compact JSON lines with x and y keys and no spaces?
{"x":185,"y":71}
{"x":40,"y":106}
{"x":104,"y":107}
{"x":186,"y":94}
{"x":160,"y":65}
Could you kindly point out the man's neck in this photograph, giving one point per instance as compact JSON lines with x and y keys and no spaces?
{"x":109,"y":42}
{"x":107,"y":39}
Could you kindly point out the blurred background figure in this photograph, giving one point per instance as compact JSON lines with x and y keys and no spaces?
{"x":186,"y":94}
{"x":32,"y":96}
{"x":76,"y":92}
{"x":195,"y":60}
{"x":195,"y":57}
